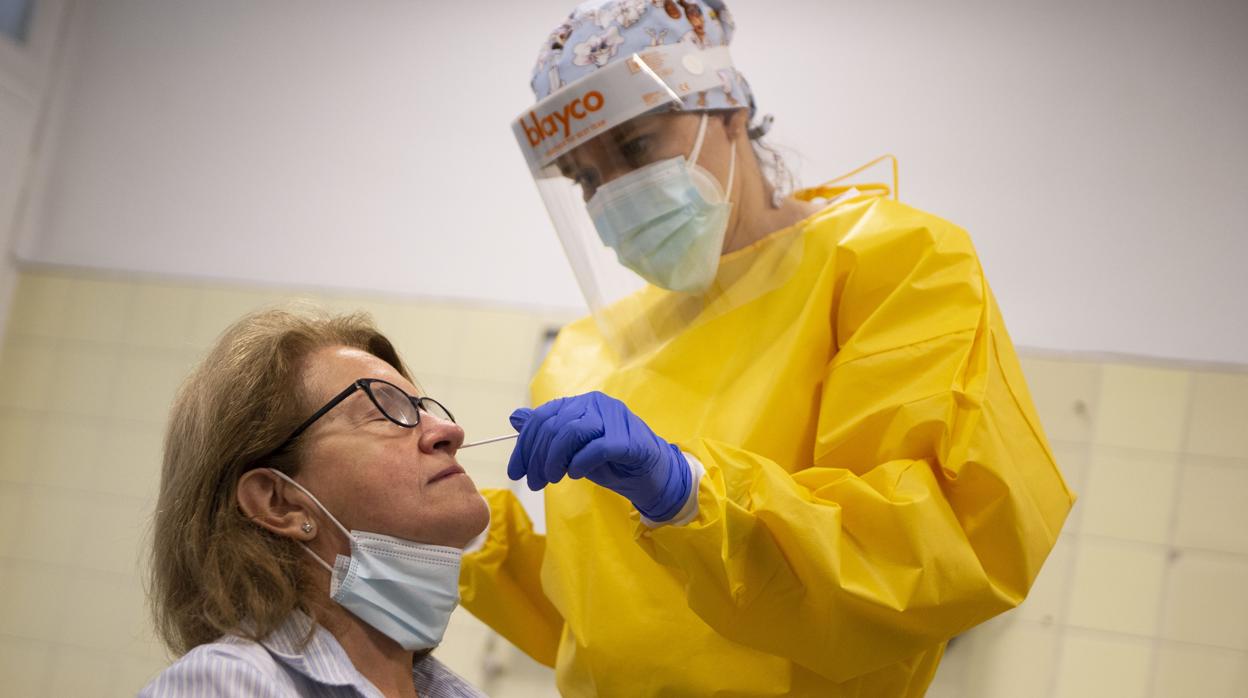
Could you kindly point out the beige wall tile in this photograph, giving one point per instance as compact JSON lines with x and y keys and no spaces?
{"x":147,"y":383}
{"x":162,"y":316}
{"x":1144,"y":408}
{"x":1100,"y":666}
{"x":96,"y":625}
{"x":1130,"y":494}
{"x":497,"y":346}
{"x":12,"y":516}
{"x":1049,"y":596}
{"x":116,"y":537}
{"x":1065,"y":393}
{"x":83,"y":379}
{"x":1219,"y":414}
{"x":81,"y":672}
{"x":1191,"y":670}
{"x":69,"y":453}
{"x":19,"y":445}
{"x":130,"y":457}
{"x":55,"y":523}
{"x":428,"y":337}
{"x":1207,"y":600}
{"x":25,"y":666}
{"x":26,"y":372}
{"x":40,"y":304}
{"x":1117,"y":587}
{"x":1213,"y":505}
{"x":1013,"y":657}
{"x":31,"y":606}
{"x":482,"y":410}
{"x":97,"y":310}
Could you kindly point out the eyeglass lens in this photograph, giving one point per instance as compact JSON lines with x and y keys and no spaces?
{"x":398,"y":406}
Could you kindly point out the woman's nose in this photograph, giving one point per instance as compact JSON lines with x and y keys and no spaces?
{"x":438,"y":434}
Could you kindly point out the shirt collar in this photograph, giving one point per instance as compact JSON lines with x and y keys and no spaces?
{"x":322,"y":659}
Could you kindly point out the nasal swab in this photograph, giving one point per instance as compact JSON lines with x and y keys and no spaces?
{"x":490,"y":441}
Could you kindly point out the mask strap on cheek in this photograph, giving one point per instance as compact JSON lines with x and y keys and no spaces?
{"x":697,"y":151}
{"x":311,"y":496}
{"x":697,"y":143}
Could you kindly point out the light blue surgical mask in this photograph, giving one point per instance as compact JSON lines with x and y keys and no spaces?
{"x":667,"y":220}
{"x":405,"y":590}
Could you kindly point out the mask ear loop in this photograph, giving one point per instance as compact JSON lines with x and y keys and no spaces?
{"x":311,"y":496}
{"x":697,"y":151}
{"x":697,"y":143}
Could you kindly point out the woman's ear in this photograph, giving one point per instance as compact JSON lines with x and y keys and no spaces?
{"x":273,"y":503}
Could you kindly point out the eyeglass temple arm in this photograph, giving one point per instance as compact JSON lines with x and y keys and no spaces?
{"x":319,"y":413}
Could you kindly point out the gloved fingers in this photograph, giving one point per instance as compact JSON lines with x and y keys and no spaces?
{"x":515,"y":464}
{"x":594,"y":455}
{"x":522,"y":463}
{"x":547,"y":453}
{"x":572,"y":437}
{"x":545,"y":423}
{"x":625,"y":431}
{"x":519,"y":417}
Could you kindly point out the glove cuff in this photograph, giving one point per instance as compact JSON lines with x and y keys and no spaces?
{"x":675,"y":491}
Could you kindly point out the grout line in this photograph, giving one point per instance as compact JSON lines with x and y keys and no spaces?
{"x":1130,"y":359}
{"x":1150,"y":640}
{"x":1134,"y":637}
{"x":1172,"y":555}
{"x":1225,"y":555}
{"x":1180,"y":453}
{"x":1063,"y":607}
{"x":93,"y":493}
{"x":329,"y":293}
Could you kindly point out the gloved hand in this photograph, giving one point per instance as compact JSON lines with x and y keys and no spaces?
{"x":598,"y":437}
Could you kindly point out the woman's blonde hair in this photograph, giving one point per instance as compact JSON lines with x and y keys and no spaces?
{"x":214,"y":572}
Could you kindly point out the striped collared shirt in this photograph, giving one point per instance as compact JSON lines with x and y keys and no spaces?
{"x":236,"y":666}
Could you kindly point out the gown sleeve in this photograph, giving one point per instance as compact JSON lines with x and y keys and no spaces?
{"x":501,"y":583}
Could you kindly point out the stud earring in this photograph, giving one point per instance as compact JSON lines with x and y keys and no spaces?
{"x":307,"y":526}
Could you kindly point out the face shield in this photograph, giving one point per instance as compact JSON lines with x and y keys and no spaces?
{"x":616,"y":157}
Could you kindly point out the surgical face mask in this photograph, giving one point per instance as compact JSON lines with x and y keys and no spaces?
{"x":405,"y":590}
{"x":667,"y":220}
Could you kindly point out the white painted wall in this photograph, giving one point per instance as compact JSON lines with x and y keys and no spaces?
{"x":1096,"y":150}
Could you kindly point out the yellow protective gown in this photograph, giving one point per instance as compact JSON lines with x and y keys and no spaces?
{"x":876,"y":480}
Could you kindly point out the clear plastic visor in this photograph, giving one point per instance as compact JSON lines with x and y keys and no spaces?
{"x":603,"y":190}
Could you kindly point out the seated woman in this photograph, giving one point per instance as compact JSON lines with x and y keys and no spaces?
{"x":311,"y":518}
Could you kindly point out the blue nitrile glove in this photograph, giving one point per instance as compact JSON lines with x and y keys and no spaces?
{"x":598,"y":437}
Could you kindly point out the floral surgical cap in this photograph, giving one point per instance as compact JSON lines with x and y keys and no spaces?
{"x":600,"y":32}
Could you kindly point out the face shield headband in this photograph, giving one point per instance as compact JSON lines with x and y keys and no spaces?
{"x":621,"y":91}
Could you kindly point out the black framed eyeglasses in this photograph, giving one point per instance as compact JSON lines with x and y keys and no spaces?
{"x":389,"y":399}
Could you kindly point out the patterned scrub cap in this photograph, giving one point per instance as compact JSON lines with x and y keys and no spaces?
{"x":600,"y":32}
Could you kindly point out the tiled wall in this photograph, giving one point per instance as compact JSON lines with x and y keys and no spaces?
{"x":1145,"y":595}
{"x":1147,"y":591}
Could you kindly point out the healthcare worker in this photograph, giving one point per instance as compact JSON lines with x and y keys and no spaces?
{"x":791,"y":452}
